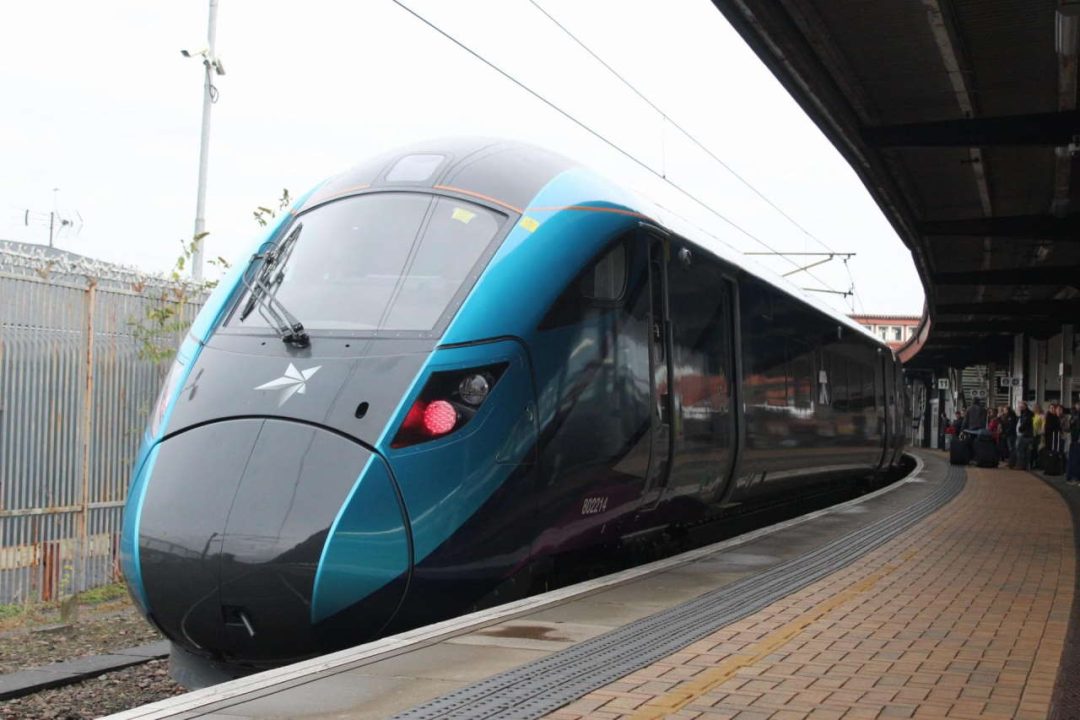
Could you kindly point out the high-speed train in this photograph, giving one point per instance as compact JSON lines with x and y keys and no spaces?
{"x":452,"y":369}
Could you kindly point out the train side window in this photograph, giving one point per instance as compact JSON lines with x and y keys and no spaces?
{"x":839,"y":379}
{"x":801,"y":378}
{"x":855,"y":386}
{"x":775,"y":380}
{"x":606,"y":281}
{"x":602,"y":284}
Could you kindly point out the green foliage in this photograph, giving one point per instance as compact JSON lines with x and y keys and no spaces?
{"x":263,"y":215}
{"x":163,"y":323}
{"x":8,"y":612}
{"x":103,"y":594}
{"x":38,"y":612}
{"x":158,"y":331}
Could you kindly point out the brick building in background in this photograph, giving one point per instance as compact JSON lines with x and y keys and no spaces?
{"x":895,"y":330}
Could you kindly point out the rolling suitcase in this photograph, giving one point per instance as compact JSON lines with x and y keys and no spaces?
{"x":960,"y":451}
{"x":986,"y":452}
{"x":1050,"y":457}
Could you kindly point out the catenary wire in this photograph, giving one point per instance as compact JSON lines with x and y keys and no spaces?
{"x":637,"y":161}
{"x":692,"y":138}
{"x":686,"y":133}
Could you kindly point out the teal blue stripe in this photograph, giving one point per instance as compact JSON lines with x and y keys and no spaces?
{"x":139,"y":488}
{"x":315,"y":595}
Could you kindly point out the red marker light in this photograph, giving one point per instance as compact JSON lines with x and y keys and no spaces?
{"x":414,"y":420}
{"x":440,"y":417}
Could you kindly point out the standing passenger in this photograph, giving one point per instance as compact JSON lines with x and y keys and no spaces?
{"x":1024,"y":432}
{"x":1037,"y":422}
{"x":1009,"y":431}
{"x":1051,"y":429}
{"x":976,"y":417}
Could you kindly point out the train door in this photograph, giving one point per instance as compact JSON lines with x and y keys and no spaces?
{"x":700,"y":313}
{"x":901,"y":410}
{"x":661,"y":372}
{"x":886,"y":405}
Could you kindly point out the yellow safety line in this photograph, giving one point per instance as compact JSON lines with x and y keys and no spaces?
{"x":687,"y":692}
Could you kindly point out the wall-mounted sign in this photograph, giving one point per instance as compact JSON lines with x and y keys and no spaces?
{"x":943,"y":383}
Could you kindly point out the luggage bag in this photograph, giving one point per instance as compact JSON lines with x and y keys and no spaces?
{"x":960,"y":451}
{"x":1050,"y":458}
{"x":986,"y":452}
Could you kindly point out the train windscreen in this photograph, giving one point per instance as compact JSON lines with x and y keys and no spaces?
{"x":389,"y":263}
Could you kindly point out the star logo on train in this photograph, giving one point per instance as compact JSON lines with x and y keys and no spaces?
{"x":292,"y":382}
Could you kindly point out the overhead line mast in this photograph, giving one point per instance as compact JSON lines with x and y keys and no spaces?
{"x":212,"y":66}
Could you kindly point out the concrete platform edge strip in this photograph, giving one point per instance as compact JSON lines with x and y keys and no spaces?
{"x":542,"y":686}
{"x":35,"y":679}
{"x":264,"y":683}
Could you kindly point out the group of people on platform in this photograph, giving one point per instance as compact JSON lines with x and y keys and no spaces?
{"x":1027,"y":436}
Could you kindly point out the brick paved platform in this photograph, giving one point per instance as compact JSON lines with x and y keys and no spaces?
{"x":962,"y":616}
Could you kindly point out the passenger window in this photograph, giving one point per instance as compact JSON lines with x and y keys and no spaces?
{"x":601,"y":284}
{"x":607,"y":281}
{"x":801,"y":380}
{"x":838,"y":378}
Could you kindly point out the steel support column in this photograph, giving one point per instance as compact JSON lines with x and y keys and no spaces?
{"x":1065,"y":368}
{"x":1036,"y":371}
{"x":1016,"y":370}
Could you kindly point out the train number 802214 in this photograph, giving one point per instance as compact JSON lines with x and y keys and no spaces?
{"x":594,"y":505}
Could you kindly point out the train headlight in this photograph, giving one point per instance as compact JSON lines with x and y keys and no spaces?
{"x":473,"y":389}
{"x":447,"y":403}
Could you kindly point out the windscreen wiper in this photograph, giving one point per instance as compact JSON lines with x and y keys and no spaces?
{"x":262,"y":293}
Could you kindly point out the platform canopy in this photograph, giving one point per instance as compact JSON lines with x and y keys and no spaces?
{"x":960,"y":117}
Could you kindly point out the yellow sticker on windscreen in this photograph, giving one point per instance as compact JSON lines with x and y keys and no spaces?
{"x":462,"y":215}
{"x":529,"y":223}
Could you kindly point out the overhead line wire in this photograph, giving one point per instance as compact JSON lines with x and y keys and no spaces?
{"x":690,"y":136}
{"x":590,"y":130}
{"x":693,"y":139}
{"x":701,"y":146}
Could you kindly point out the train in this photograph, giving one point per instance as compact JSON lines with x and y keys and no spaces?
{"x":453,"y":368}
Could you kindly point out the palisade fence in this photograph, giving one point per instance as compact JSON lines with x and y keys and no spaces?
{"x":74,"y":399}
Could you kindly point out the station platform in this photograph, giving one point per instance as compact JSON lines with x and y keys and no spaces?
{"x":946,"y":594}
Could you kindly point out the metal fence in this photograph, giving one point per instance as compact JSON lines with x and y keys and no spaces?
{"x":74,"y":397}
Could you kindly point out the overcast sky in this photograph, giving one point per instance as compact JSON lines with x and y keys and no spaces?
{"x":98,"y":102}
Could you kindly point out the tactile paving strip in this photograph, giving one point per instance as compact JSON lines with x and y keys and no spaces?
{"x":544,"y":685}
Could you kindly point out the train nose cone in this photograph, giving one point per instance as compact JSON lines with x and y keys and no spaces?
{"x":259,"y":539}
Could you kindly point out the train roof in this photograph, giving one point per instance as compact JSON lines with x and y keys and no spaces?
{"x":510,"y":174}
{"x":506,"y":173}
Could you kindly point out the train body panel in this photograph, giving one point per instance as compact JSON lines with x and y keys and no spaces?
{"x":510,"y":364}
{"x":811,"y":394}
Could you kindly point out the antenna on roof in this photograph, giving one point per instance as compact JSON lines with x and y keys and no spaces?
{"x":57,"y":223}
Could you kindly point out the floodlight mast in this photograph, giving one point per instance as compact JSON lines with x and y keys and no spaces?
{"x":212,"y":66}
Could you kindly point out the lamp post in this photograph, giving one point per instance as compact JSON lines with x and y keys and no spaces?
{"x":212,"y":66}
